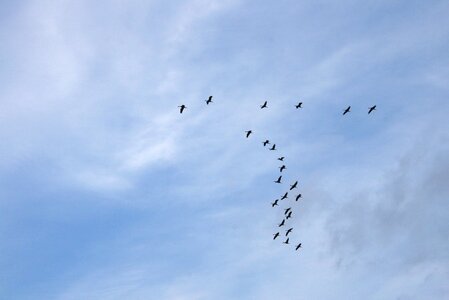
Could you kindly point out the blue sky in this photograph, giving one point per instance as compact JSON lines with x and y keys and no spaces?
{"x":107,"y":192}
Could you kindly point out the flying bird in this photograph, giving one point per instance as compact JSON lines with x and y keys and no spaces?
{"x":371,"y":109}
{"x":347,"y":110}
{"x":248,"y":133}
{"x":279,"y":180}
{"x":209,"y":100}
{"x":286,"y":241}
{"x":274,"y":203}
{"x":264,"y":105}
{"x":281,"y":158}
{"x":265,"y":143}
{"x":282,"y":223}
{"x":293,"y":186}
{"x":285,"y":196}
{"x":282,"y":168}
{"x":182,"y":108}
{"x":299,"y":105}
{"x":297,"y":247}
{"x":289,"y":215}
{"x":288,"y":231}
{"x":299,"y":196}
{"x":276,"y":235}
{"x":287,"y":210}
{"x":273,"y":147}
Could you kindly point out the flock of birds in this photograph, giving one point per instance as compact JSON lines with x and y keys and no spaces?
{"x":288,"y":212}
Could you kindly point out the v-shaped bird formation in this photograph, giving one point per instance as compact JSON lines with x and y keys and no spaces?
{"x":287,"y":212}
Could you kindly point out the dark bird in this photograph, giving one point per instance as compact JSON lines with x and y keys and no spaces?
{"x":182,"y":108}
{"x":299,"y":105}
{"x":274,"y":203}
{"x":276,"y":235}
{"x":248,"y":133}
{"x":288,"y":231}
{"x":273,"y":147}
{"x":279,"y":180}
{"x":347,"y":110}
{"x":209,"y":100}
{"x":264,"y":105}
{"x":282,"y":223}
{"x":265,"y":143}
{"x":282,"y":168}
{"x":289,"y":215}
{"x":286,"y":241}
{"x":285,"y":196}
{"x":297,"y":247}
{"x":281,"y":158}
{"x":297,"y":197}
{"x":293,"y":186}
{"x":287,"y":210}
{"x":371,"y":109}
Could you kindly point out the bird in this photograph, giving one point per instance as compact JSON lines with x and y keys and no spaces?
{"x":282,"y":168}
{"x":276,"y":235}
{"x":297,"y":247}
{"x":279,"y":180}
{"x":289,"y":215}
{"x":264,"y":105}
{"x":248,"y":133}
{"x":293,"y":186}
{"x":282,"y":223}
{"x":287,"y":210}
{"x":273,"y":147}
{"x":274,"y":203}
{"x":299,"y":196}
{"x":347,"y":110}
{"x":281,"y":158}
{"x":209,"y":100}
{"x":286,"y":241}
{"x":299,"y":105}
{"x":285,"y":196}
{"x":288,"y":231}
{"x":371,"y":109}
{"x":182,"y":108}
{"x":265,"y":143}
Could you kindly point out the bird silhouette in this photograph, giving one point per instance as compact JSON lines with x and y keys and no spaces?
{"x":182,"y":107}
{"x":281,"y":158}
{"x":264,"y":105}
{"x":289,"y":215}
{"x":274,"y":203}
{"x":265,"y":143}
{"x":297,"y":197}
{"x":248,"y":133}
{"x":297,"y":247}
{"x":287,"y":210}
{"x":299,"y":105}
{"x":293,"y":186}
{"x":285,"y":196}
{"x":276,"y":235}
{"x":288,"y":231}
{"x":286,"y":241}
{"x":371,"y":109}
{"x":282,"y":223}
{"x":208,"y":101}
{"x":347,"y":110}
{"x":282,"y":168}
{"x":273,"y":147}
{"x":279,"y":180}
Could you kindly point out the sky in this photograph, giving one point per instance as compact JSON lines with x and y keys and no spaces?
{"x":107,"y":192}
